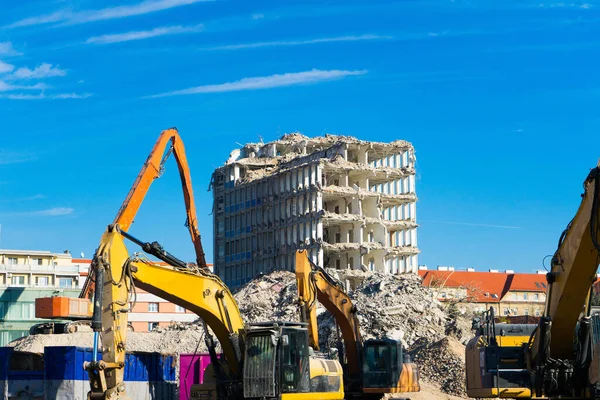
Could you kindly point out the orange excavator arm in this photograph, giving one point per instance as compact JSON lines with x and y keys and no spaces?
{"x":151,"y":170}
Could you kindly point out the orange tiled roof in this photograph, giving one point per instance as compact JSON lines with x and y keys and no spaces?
{"x":484,"y":287}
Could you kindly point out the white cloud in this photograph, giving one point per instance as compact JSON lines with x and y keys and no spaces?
{"x":50,"y":212}
{"x":22,"y":96}
{"x":140,"y":35}
{"x":80,"y":17}
{"x":298,"y":42}
{"x":258,"y":16}
{"x":5,"y":68}
{"x":45,"y":70}
{"x":7,"y":87}
{"x":6,"y":49}
{"x":267,"y":82}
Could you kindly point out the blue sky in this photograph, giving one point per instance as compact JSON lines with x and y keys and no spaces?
{"x":500,"y":100}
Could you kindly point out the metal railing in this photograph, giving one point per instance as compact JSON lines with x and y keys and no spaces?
{"x":31,"y":268}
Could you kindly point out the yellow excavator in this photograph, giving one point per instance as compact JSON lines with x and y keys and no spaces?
{"x":559,"y":360}
{"x":372,"y":368}
{"x":267,"y":360}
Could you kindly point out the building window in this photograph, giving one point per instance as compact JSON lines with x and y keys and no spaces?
{"x":179,"y":309}
{"x":525,"y":297}
{"x":514,"y":296}
{"x":41,"y":281}
{"x":537,"y":313}
{"x":65,"y":282}
{"x":372,"y":264}
{"x":18,"y":280}
{"x":526,"y":312}
{"x":12,"y":261}
{"x":536,"y":296}
{"x":506,"y":311}
{"x":152,"y":326}
{"x":36,"y":261}
{"x":152,"y":307}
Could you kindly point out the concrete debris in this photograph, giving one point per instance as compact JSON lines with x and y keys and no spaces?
{"x":168,"y":341}
{"x":442,"y":362}
{"x":393,"y":306}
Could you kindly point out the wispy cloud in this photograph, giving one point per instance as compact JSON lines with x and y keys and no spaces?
{"x":474,"y":224}
{"x":278,"y":43}
{"x":584,"y":6}
{"x":44,"y":70}
{"x":6,"y":49}
{"x":5,"y":67}
{"x":12,"y":157}
{"x":267,"y":82}
{"x":140,"y":35}
{"x":28,"y":198}
{"x":50,"y":212}
{"x":41,"y":96}
{"x":7,"y":87}
{"x":80,"y":17}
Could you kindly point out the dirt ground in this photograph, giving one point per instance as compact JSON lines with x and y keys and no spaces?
{"x":430,"y":391}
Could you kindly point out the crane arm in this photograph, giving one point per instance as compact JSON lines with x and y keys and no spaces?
{"x":194,"y":289}
{"x":151,"y":170}
{"x":573,"y":271}
{"x":315,"y":283}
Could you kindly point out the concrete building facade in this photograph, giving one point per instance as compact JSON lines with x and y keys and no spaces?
{"x":351,"y":204}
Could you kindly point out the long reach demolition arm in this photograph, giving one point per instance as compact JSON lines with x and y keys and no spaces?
{"x":152,"y":169}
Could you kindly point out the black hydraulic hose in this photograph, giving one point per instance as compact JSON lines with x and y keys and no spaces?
{"x":97,"y":313}
{"x":156,"y":250}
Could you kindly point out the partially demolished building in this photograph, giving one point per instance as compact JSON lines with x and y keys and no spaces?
{"x":349,"y":203}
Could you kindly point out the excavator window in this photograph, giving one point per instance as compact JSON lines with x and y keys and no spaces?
{"x":259,"y":366}
{"x":383,"y":363}
{"x":294,"y":361}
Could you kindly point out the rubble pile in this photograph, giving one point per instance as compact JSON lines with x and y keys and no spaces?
{"x":271,"y":297}
{"x":441,"y":362}
{"x":167,"y":341}
{"x":393,"y":306}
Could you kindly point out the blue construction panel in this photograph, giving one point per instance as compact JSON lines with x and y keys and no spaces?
{"x":5,"y":353}
{"x":66,"y":363}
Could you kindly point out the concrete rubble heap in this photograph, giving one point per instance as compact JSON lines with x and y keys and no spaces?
{"x":395,"y":306}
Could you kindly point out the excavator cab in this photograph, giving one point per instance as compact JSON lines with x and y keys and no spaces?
{"x":277,"y":363}
{"x":386,"y":366}
{"x":495,"y":359}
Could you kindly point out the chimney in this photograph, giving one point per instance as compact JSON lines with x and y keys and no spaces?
{"x":442,"y":268}
{"x":470,"y":269}
{"x":495,"y":271}
{"x":510,"y":271}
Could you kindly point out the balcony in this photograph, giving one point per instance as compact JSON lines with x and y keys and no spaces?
{"x":40,"y":269}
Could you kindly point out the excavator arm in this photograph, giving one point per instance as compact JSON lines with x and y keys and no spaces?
{"x":118,"y":274}
{"x":314,"y":283}
{"x":152,"y":169}
{"x":559,"y":370}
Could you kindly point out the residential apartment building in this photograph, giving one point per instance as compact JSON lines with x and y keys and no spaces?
{"x":351,"y":204}
{"x":509,"y":293}
{"x":25,"y":276}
